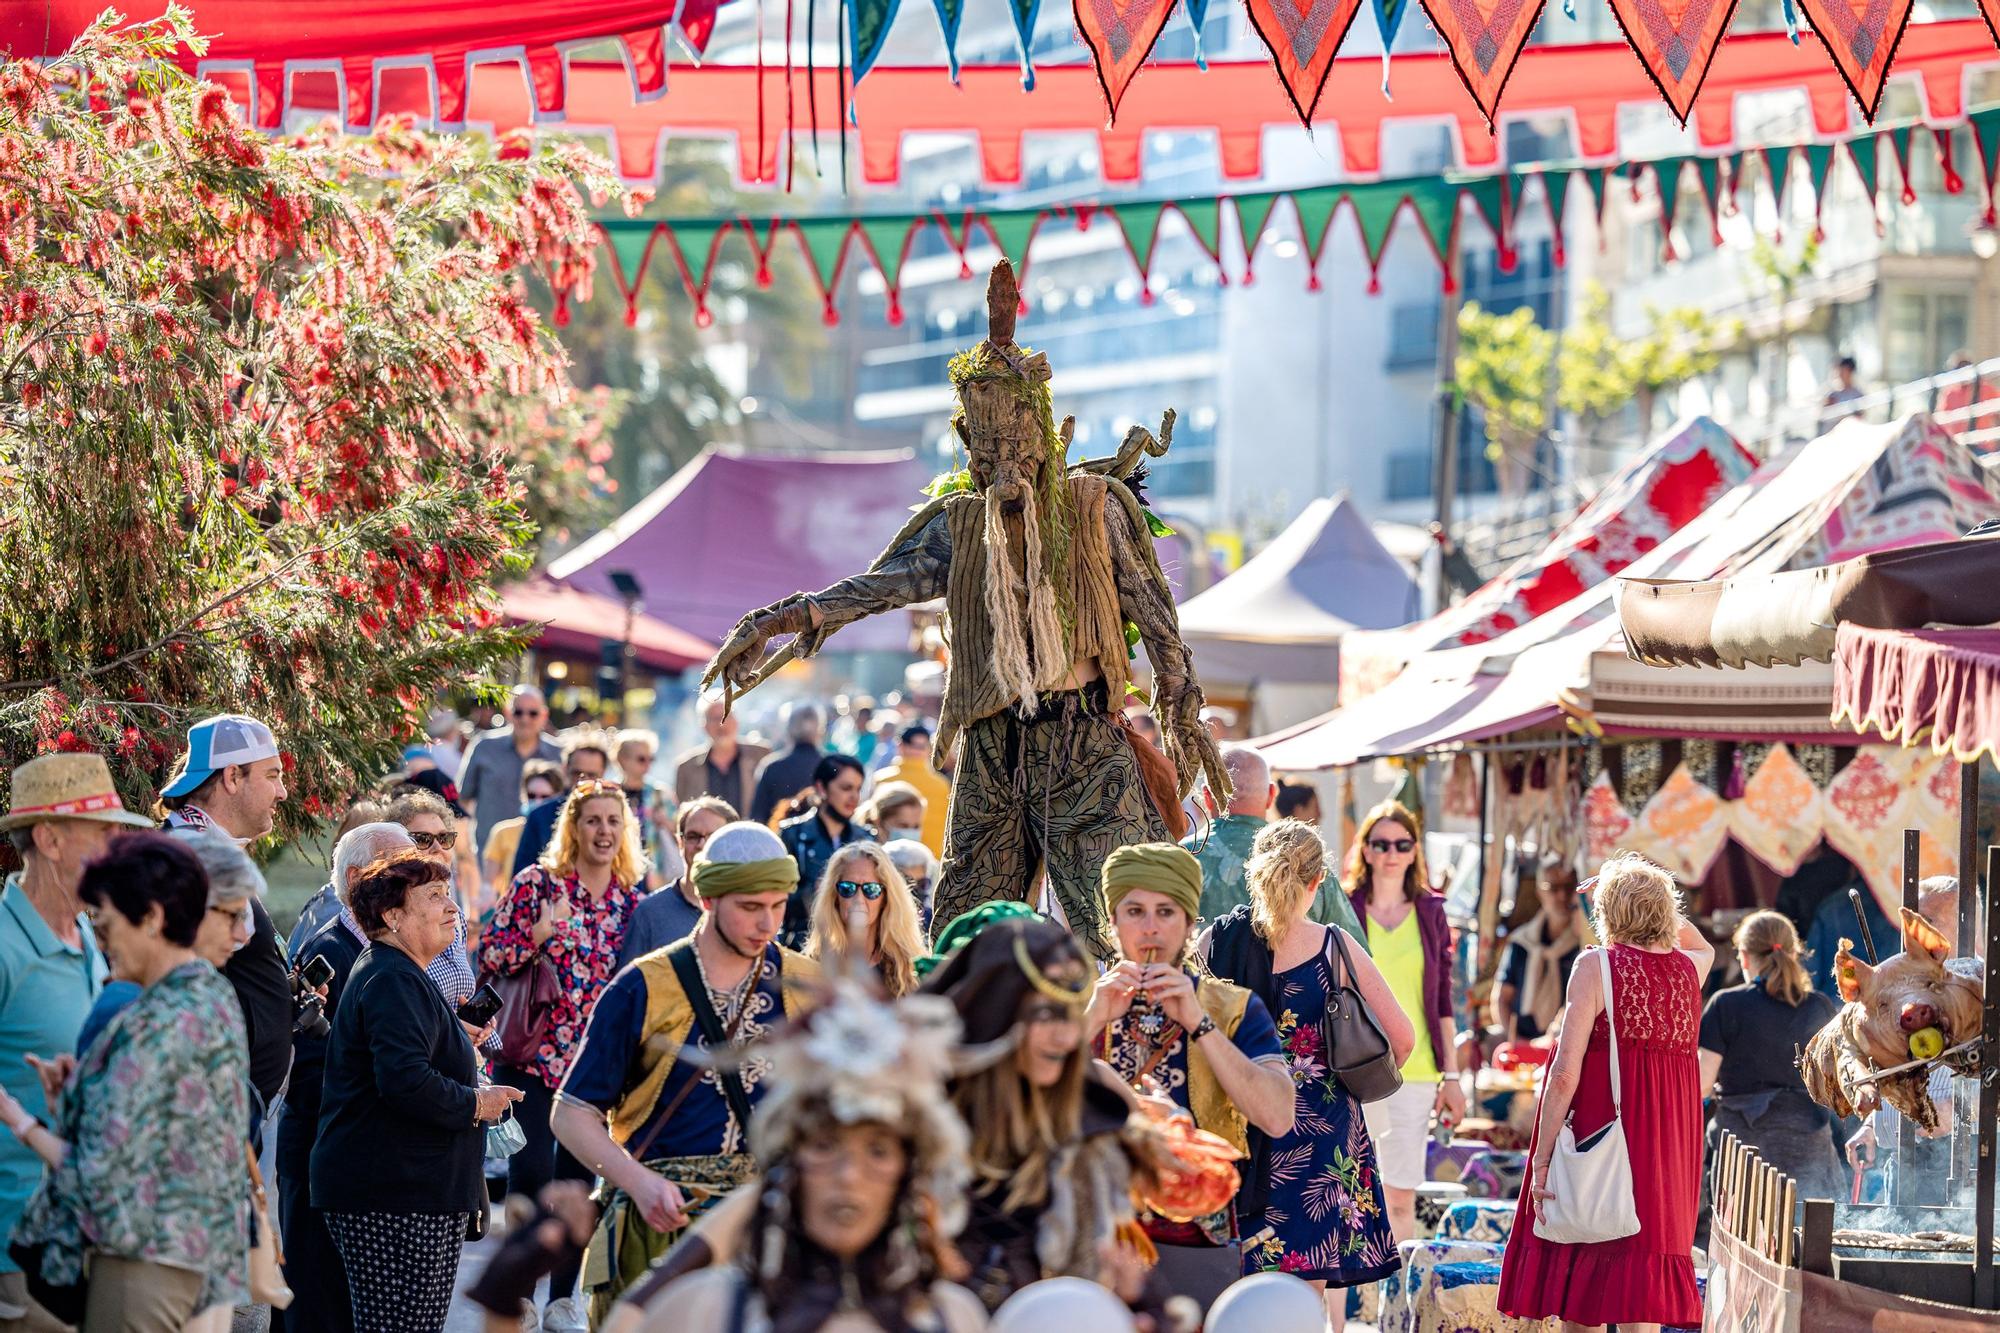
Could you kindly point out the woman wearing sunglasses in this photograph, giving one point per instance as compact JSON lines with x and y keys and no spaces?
{"x":862,"y":897}
{"x":1410,"y":941}
{"x":433,"y":827}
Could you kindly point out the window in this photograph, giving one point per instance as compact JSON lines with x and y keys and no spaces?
{"x":1413,"y":335}
{"x":1923,"y":329}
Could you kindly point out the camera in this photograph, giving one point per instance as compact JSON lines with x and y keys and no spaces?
{"x":309,"y":1020}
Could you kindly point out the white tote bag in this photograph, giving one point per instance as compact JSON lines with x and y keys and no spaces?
{"x":1590,"y":1184}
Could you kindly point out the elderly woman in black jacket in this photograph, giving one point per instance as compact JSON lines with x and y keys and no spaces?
{"x":397,"y":1167}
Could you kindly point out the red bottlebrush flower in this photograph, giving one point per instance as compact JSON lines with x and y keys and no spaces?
{"x":66,"y":740}
{"x":31,"y":393}
{"x":286,"y":761}
{"x":95,"y":343}
{"x":314,"y":806}
{"x":128,"y":744}
{"x":27,"y":305}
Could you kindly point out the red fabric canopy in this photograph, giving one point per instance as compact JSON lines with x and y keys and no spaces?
{"x":575,"y":621}
{"x":354,"y":40}
{"x":1916,"y":686}
{"x":1236,"y":101}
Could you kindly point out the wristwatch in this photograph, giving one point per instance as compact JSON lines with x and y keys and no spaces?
{"x":1201,"y":1029}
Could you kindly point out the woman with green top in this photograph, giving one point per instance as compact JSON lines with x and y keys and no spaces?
{"x":1410,"y":940}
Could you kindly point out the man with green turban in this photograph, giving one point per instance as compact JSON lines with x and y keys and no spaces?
{"x":666,"y":1133}
{"x":1209,"y":1045}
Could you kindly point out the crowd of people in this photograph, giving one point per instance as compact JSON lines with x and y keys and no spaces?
{"x":710,"y":1031}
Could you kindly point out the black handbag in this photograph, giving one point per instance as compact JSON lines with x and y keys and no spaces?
{"x":64,"y":1300}
{"x":1356,"y":1051}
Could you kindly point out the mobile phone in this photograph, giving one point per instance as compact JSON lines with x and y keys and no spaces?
{"x":480,"y":1009}
{"x":316,"y":973}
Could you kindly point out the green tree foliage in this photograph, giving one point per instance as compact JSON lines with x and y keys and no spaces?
{"x":1503,"y":369}
{"x":268,"y":409}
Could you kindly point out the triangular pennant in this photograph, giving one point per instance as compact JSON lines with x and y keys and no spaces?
{"x":631,"y":241}
{"x":1014,"y":231}
{"x":1986,"y":138}
{"x":950,"y":13}
{"x":1899,"y":146}
{"x":694,"y":247}
{"x":1253,"y":214}
{"x":1303,"y":39}
{"x":1315,"y":209}
{"x":1593,"y":179}
{"x":1485,"y":38}
{"x":1864,"y":151}
{"x":1436,"y":205}
{"x":1667,"y":180}
{"x":1489,"y":196}
{"x":697,"y":25}
{"x":1388,"y":20}
{"x":1120,"y":35}
{"x":1708,"y":172}
{"x":888,"y":240}
{"x":760,"y":246}
{"x":1141,"y":225}
{"x":1675,"y":40}
{"x":1946,"y":151}
{"x":1555,"y":198}
{"x":1375,"y":208}
{"x":1024,"y":13}
{"x":825,"y":243}
{"x":1819,"y":161}
{"x":1861,"y":36}
{"x":1778,"y":171}
{"x":1204,"y":219}
{"x":868,"y":23}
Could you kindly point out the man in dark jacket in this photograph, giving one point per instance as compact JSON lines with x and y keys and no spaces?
{"x":813,"y":837}
{"x":783,"y":776}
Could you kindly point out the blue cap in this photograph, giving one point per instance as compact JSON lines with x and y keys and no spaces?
{"x":217,"y":742}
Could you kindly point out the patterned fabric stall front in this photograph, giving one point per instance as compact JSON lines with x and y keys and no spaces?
{"x":1781,"y":814}
{"x":1410,"y":1296}
{"x":1683,"y":827}
{"x":1884,"y":791}
{"x":1489,"y":1220}
{"x":1446,"y":1161}
{"x":1495,"y":1174}
{"x":1606,"y":822}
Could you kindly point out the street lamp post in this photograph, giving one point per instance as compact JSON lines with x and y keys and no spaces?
{"x":628,"y":589}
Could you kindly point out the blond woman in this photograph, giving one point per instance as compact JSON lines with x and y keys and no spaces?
{"x":1312,"y":1202}
{"x":863,"y":897}
{"x":1656,"y":961}
{"x":571,"y":911}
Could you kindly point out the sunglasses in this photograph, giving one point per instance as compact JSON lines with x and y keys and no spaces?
{"x":526,"y":712}
{"x":441,"y":842}
{"x":1401,"y":846}
{"x":847,"y":888}
{"x":693,"y":839}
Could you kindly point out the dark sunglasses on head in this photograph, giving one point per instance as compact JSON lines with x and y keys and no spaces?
{"x":847,"y":888}
{"x":434,"y":841}
{"x":1401,"y":846}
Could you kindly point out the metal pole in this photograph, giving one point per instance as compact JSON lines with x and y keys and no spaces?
{"x":1906,"y":1148}
{"x":1444,"y":465}
{"x":1989,"y":1100}
{"x":1489,"y":905}
{"x":1968,"y":925}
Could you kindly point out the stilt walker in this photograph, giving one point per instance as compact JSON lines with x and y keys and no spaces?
{"x":1049,"y":576}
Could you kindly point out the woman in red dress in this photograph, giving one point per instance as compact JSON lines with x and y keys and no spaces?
{"x":1658,"y":962}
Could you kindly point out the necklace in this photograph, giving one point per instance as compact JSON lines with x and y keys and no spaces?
{"x":728,"y":1001}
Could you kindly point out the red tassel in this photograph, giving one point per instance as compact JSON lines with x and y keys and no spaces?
{"x":562,"y":309}
{"x":1221,"y":276}
{"x":1557,"y":254}
{"x":1312,"y":283}
{"x":964,"y":268}
{"x":1668,"y":254}
{"x":632,"y":314}
{"x":1249,"y":274}
{"x":1819,"y":234}
{"x":702,"y":317}
{"x":1374,"y":283}
{"x":1953,"y":182}
{"x":1083,"y":212}
{"x":1989,"y":217}
{"x":1022,"y":309}
{"x":895,"y":309}
{"x":763,"y":271}
{"x":1909,"y":195}
{"x":1145,"y":296}
{"x":829,"y":316}
{"x":1450,"y":284}
{"x":1510,"y":259}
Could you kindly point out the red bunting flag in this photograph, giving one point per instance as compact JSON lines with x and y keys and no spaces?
{"x":1675,"y":40}
{"x":1484,"y":38}
{"x":1120,"y":35}
{"x":1303,"y":36}
{"x":1861,"y":36}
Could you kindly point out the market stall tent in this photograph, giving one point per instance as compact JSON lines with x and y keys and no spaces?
{"x":733,"y":531}
{"x":1270,"y":633}
{"x":577,"y":622}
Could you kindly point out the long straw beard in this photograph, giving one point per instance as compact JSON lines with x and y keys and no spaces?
{"x":1018,"y":671}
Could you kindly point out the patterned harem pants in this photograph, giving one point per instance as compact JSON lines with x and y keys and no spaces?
{"x":401,"y":1267}
{"x":1058,"y":791}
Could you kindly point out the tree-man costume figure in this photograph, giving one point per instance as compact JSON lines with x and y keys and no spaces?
{"x":1048,"y":575}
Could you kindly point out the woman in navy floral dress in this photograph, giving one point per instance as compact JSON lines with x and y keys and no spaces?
{"x":1323,"y":1214}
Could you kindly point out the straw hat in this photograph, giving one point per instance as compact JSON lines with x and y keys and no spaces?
{"x":67,"y":786}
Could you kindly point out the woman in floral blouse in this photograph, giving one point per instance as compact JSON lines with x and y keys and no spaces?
{"x":573,"y":909}
{"x":153,"y":1186}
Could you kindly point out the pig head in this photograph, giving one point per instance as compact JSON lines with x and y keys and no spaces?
{"x":1885,"y":1004}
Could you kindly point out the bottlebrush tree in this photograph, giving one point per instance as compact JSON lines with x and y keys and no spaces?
{"x":272,"y":413}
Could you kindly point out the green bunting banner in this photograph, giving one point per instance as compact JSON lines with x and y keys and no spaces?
{"x":1434,"y":205}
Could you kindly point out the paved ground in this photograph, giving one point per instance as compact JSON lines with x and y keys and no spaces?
{"x":465,"y":1316}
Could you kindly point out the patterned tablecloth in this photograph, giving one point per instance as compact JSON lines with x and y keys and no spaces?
{"x":1478,"y":1219}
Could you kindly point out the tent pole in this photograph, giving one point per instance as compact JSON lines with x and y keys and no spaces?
{"x":1444,"y":465}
